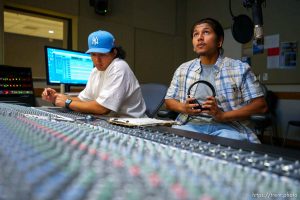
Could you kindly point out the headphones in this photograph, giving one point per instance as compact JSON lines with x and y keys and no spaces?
{"x":195,"y":101}
{"x":204,"y":82}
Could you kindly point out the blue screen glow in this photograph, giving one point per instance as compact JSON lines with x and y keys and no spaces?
{"x":67,"y":66}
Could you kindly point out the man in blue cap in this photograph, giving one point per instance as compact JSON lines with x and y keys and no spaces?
{"x":112,"y":87}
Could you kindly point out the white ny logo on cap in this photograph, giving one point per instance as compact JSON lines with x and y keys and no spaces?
{"x":95,"y":41}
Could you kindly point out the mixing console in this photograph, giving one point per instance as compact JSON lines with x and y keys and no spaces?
{"x":54,"y":154}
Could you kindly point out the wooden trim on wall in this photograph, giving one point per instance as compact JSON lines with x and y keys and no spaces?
{"x":288,"y":95}
{"x":38,"y":92}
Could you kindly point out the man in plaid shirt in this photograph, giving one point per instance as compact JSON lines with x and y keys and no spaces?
{"x":238,"y":92}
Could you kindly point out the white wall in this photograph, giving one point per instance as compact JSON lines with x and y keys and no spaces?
{"x":232,"y":48}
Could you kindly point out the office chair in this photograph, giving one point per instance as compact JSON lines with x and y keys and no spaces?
{"x":290,"y":123}
{"x":263,"y":121}
{"x":154,"y":95}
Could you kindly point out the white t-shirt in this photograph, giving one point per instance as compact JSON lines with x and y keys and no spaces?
{"x":117,"y":89}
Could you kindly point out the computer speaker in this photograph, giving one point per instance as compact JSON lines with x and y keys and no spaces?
{"x":101,"y":6}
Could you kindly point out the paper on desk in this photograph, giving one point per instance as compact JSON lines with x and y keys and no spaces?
{"x":141,"y":121}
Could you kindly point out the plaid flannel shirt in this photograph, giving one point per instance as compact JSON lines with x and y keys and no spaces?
{"x":235,"y":86}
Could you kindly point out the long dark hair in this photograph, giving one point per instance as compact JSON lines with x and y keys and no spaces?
{"x":215,"y":25}
{"x":120,"y":52}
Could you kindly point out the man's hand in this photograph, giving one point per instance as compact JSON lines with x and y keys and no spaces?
{"x":212,"y":108}
{"x":49,"y":95}
{"x":192,"y":107}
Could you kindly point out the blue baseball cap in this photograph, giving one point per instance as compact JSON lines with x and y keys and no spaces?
{"x":100,"y":42}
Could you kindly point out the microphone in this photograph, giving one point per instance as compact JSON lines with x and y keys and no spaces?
{"x":257,"y":19}
{"x":258,"y":22}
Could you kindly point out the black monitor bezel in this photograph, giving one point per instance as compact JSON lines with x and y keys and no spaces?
{"x":18,"y":69}
{"x":21,"y":99}
{"x":47,"y":66}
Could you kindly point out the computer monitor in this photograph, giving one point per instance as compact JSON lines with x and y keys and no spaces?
{"x":67,"y":67}
{"x":16,"y":85}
